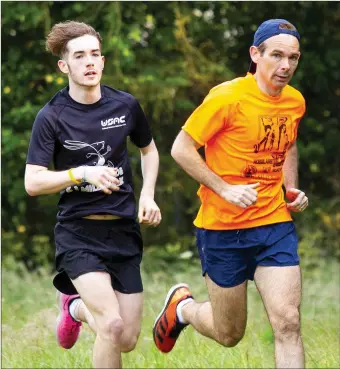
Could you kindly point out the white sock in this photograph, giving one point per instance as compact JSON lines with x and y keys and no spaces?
{"x":73,"y":308}
{"x":179,"y":310}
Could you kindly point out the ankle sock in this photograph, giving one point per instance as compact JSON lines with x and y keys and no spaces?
{"x":179,"y":310}
{"x":73,"y":307}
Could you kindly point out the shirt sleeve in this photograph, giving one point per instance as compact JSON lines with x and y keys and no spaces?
{"x":141,"y":134}
{"x":208,"y":119}
{"x":42,"y":142}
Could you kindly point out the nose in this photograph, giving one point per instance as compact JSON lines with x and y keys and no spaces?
{"x":89,"y":60}
{"x":285,"y":64}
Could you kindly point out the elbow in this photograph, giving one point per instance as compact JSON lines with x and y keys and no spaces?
{"x":179,"y":154}
{"x":30,"y":189}
{"x":175,"y":152}
{"x":183,"y":148}
{"x":31,"y":192}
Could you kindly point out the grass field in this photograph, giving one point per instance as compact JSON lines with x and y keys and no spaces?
{"x":29,"y":311}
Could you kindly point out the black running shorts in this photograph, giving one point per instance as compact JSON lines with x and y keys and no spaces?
{"x":87,"y":245}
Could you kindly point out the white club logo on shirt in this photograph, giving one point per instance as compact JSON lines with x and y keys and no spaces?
{"x":113,"y":122}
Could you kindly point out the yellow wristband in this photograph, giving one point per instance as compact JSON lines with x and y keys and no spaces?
{"x":72,"y":177}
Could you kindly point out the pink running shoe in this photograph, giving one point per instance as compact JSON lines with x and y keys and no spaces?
{"x":68,"y":329}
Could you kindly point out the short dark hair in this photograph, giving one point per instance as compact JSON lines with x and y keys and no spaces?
{"x":62,"y":33}
{"x":262,"y":47}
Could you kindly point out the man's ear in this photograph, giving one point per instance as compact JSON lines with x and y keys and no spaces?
{"x":63,"y":66}
{"x":254,"y":54}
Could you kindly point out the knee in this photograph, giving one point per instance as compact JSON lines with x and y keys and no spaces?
{"x":128,"y":342}
{"x":287,"y":325}
{"x":111,"y":329}
{"x":230,"y":338}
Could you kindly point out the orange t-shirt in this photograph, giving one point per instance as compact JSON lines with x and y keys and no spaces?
{"x":246,"y":134}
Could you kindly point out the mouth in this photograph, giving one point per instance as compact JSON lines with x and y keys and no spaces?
{"x":90,"y":73}
{"x":282,"y":78}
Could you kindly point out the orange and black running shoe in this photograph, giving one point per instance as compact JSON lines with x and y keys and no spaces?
{"x":167,"y":327}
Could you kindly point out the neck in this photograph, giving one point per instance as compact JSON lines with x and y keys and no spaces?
{"x":84,"y":94}
{"x":271,"y":91}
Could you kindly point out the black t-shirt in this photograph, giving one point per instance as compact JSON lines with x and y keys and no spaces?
{"x":72,"y":134}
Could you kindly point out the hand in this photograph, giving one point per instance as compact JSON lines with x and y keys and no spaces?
{"x":149,"y":212}
{"x":100,"y":176}
{"x":241,"y":195}
{"x":299,"y":200}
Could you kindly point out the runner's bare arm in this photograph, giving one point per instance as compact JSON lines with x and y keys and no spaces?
{"x":290,"y":168}
{"x":298,"y":199}
{"x":150,"y":165}
{"x":41,"y":181}
{"x":149,"y":212}
{"x":184,"y":151}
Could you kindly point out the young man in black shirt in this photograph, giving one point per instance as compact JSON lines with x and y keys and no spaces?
{"x":84,"y":130}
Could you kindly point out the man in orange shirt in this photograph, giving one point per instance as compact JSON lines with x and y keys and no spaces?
{"x":248,"y":127}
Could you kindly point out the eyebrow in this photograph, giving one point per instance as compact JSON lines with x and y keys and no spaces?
{"x":282,"y":52}
{"x":82,"y":51}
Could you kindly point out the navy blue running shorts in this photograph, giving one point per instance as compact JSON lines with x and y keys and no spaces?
{"x":230,"y":257}
{"x":88,"y":245}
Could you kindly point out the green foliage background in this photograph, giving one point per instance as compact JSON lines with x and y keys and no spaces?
{"x":168,"y":54}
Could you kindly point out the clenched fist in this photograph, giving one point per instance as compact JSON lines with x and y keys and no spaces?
{"x":102,"y":177}
{"x":148,"y":212}
{"x":299,"y":200}
{"x":240,"y":195}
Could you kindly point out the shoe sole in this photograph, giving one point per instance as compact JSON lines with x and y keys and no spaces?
{"x":167,"y":301}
